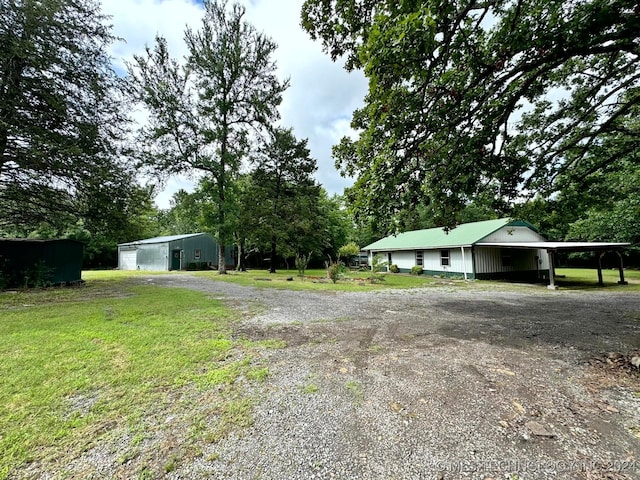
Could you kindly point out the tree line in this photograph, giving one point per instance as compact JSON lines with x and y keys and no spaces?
{"x":474,"y":110}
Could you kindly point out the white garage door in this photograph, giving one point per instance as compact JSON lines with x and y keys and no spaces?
{"x":127,"y":260}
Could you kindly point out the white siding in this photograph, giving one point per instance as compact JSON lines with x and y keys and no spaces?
{"x":490,"y":260}
{"x":513,"y":234}
{"x":456,"y":265}
{"x":404,"y":260}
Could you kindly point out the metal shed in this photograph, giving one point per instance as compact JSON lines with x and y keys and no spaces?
{"x":33,"y":262}
{"x":174,"y":252}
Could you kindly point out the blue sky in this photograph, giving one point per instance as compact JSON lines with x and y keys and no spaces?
{"x":322,"y":96}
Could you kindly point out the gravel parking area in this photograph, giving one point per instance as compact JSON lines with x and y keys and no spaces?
{"x":435,"y":383}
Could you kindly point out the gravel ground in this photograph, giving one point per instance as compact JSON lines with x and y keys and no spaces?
{"x":434,"y":383}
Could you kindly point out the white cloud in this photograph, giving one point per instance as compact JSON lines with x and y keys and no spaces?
{"x":322,"y":96}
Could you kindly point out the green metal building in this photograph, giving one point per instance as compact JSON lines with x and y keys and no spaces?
{"x":174,"y":252}
{"x":32,"y":262}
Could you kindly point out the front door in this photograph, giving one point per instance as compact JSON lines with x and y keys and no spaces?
{"x":175,"y":260}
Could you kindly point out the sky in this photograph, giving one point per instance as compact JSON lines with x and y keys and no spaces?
{"x":318,"y":104}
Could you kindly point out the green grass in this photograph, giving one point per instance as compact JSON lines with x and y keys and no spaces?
{"x":309,"y":388}
{"x":585,"y":278}
{"x":317,"y":280}
{"x":76,"y":362}
{"x":356,"y":390}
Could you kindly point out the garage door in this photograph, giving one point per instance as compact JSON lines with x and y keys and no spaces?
{"x":127,"y":260}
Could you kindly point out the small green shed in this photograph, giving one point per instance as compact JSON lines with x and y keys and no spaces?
{"x":33,"y":262}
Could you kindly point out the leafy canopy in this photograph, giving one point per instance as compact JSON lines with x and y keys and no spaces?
{"x":285,"y":197}
{"x":467,"y":97}
{"x":204,"y":114}
{"x":61,"y":115}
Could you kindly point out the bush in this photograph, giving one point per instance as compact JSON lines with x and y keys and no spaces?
{"x":376,"y":267}
{"x":333,"y":272}
{"x":302,"y":262}
{"x":416,"y":270}
{"x":394,"y":268}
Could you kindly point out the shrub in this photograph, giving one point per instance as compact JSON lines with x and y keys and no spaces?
{"x":416,"y":270}
{"x":336,"y":271}
{"x":302,"y":261}
{"x":376,"y":267}
{"x":394,"y":268}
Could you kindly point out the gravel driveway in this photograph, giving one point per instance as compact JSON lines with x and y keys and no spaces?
{"x":434,"y":383}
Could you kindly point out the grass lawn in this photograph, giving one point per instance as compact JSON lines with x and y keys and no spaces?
{"x":316,"y":279}
{"x":584,"y":278}
{"x":79,"y":363}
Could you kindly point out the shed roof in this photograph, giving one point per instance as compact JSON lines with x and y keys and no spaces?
{"x":165,"y":239}
{"x":466,"y":234}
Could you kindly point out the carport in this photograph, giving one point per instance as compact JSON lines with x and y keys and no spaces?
{"x":553,"y":248}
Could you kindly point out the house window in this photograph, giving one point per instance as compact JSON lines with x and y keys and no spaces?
{"x":444,"y":258}
{"x":197,"y":254}
{"x":419,"y":258}
{"x":507,"y":257}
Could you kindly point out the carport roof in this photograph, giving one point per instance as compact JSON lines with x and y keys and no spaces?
{"x":559,"y":246}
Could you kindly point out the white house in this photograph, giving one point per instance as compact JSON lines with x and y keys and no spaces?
{"x":492,"y":249}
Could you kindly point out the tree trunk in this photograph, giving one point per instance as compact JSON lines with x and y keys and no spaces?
{"x":222,"y":228}
{"x":272,"y":268}
{"x":240,"y":266}
{"x":222,"y":262}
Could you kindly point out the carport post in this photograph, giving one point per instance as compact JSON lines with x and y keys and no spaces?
{"x":464,"y":264}
{"x":600,"y":282}
{"x":621,"y":269}
{"x":552,"y":272}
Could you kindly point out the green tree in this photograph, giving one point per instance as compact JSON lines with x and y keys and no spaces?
{"x":348,"y":251}
{"x":285,"y":196}
{"x":185,"y":214}
{"x":467,"y":97}
{"x":244,"y":231}
{"x":202,"y":114}
{"x":597,"y":199}
{"x":336,"y":224}
{"x":61,"y":118}
{"x":121,"y":219}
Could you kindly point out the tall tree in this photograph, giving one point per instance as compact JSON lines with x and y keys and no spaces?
{"x":60,"y":115}
{"x":203,"y":113}
{"x":337,"y":225}
{"x":285,"y":195}
{"x":466,"y":96}
{"x":185,"y":213}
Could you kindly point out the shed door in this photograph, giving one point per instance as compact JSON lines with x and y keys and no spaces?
{"x":175,"y":260}
{"x":128,"y":260}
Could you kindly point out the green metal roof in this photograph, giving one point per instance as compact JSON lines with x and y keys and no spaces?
{"x":462,"y":235}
